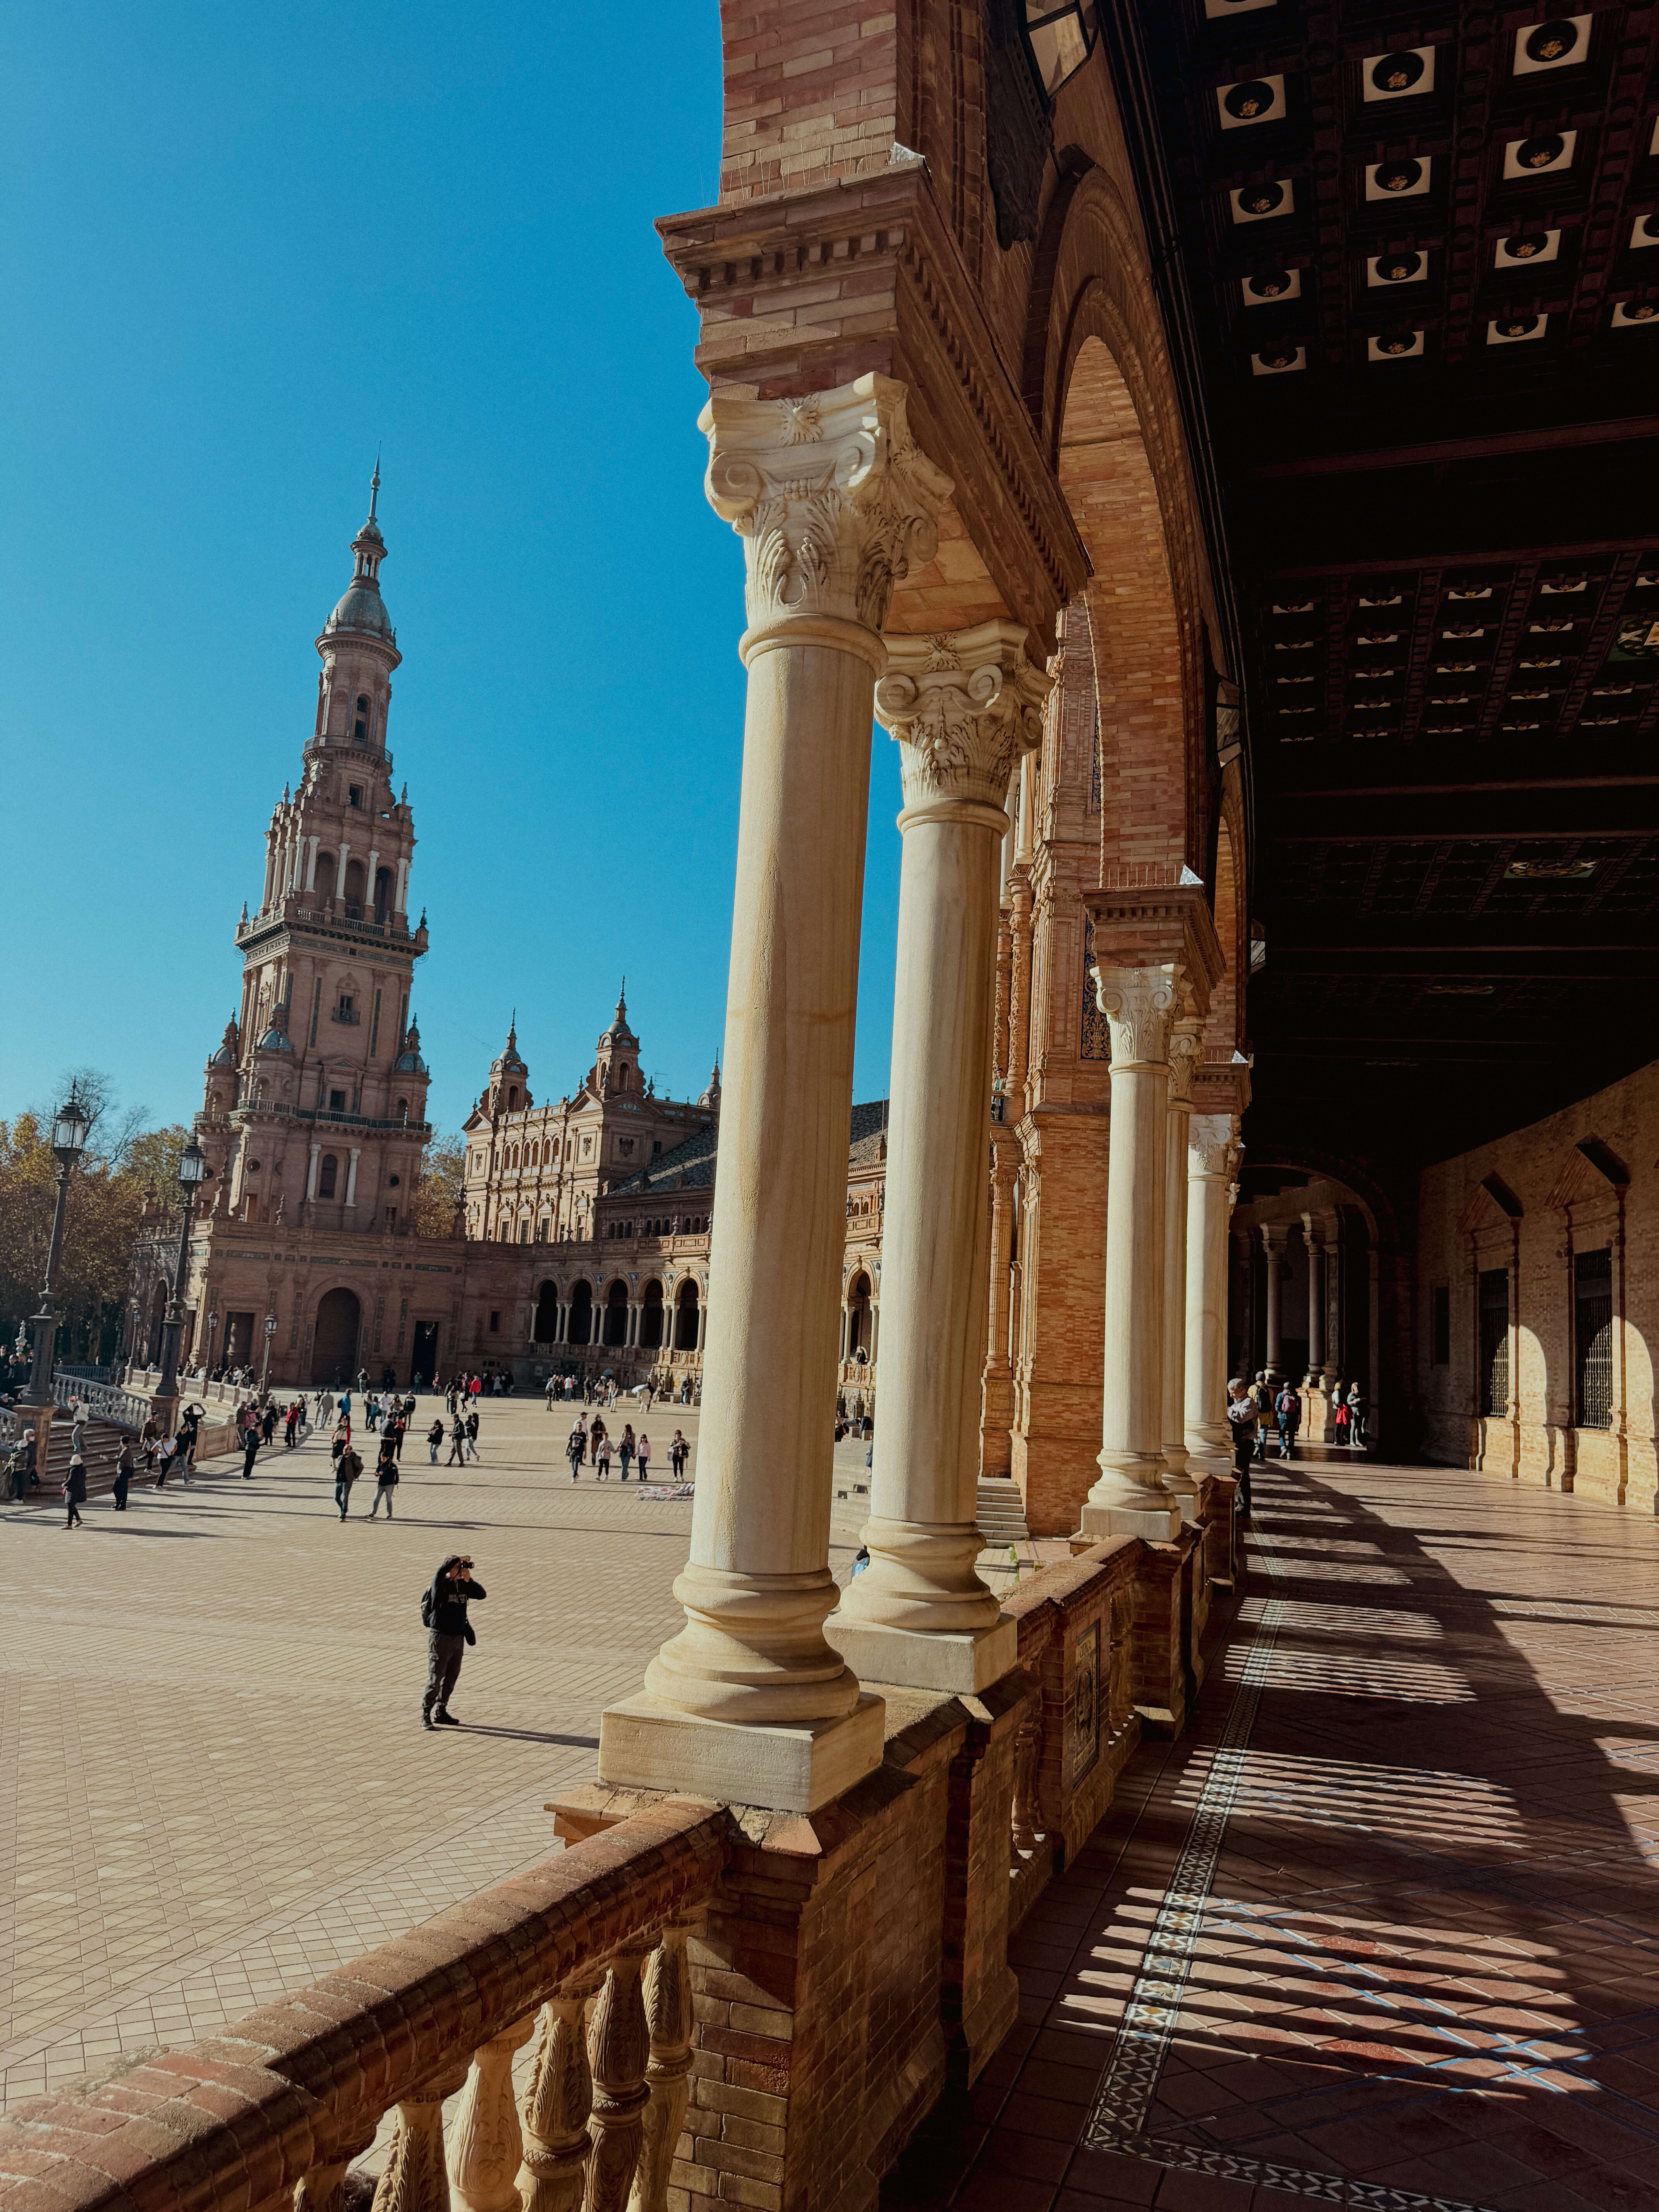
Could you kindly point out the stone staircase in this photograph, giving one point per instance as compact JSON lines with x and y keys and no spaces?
{"x":1002,"y":1513}
{"x":100,"y":1448}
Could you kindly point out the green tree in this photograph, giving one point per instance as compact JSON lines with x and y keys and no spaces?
{"x":439,"y":1190}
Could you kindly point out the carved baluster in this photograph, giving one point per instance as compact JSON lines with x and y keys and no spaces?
{"x":322,"y":2189}
{"x":1027,"y":1744}
{"x":557,"y":2099}
{"x":618,"y":2044}
{"x":485,"y":2146}
{"x":416,"y":2178}
{"x":668,"y":2017}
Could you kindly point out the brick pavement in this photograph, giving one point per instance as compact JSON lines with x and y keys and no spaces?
{"x":1383,"y":1930}
{"x":209,"y":1723}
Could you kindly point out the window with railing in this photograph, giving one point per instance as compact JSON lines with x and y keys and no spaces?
{"x":1494,"y":1306}
{"x":1592,"y":1319}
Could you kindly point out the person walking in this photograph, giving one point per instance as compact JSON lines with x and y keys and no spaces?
{"x":347,"y":1468}
{"x":166,"y":1448}
{"x":435,"y":1436}
{"x":1244,"y":1421}
{"x":291,"y":1427}
{"x":250,"y":1449}
{"x":1262,"y":1393}
{"x":449,"y":1631}
{"x":574,"y":1450}
{"x":397,"y":1429}
{"x":472,"y":1430}
{"x":604,"y":1455}
{"x":341,"y":1440}
{"x":552,"y":1390}
{"x":385,"y":1478}
{"x":625,"y":1448}
{"x":596,"y":1437}
{"x":189,"y":1423}
{"x":644,"y":1457}
{"x":1288,"y":1414}
{"x":75,"y":1490}
{"x":457,"y":1443}
{"x":268,"y":1423}
{"x":122,"y":1475}
{"x":678,"y":1453}
{"x":1358,"y":1407}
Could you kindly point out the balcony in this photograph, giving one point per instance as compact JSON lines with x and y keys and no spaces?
{"x":349,"y":1015}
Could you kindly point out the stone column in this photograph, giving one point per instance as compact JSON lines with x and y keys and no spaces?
{"x":1315,"y":1242}
{"x":351,"y":1176}
{"x":1131,"y":1497}
{"x":1274,"y":1237}
{"x":750,"y":1703}
{"x":339,"y":880}
{"x":702,"y":1324}
{"x":962,"y":708}
{"x":1210,"y":1159}
{"x":310,"y":1173}
{"x":311,"y":864}
{"x":1186,"y":1050}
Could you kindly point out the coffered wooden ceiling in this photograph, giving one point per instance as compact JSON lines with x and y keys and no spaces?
{"x":1420,"y":250}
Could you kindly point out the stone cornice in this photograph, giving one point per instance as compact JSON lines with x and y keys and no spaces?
{"x":808,"y":290}
{"x":1144,"y":925}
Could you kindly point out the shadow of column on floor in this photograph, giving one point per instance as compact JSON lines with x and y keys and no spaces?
{"x":1415,"y":1955}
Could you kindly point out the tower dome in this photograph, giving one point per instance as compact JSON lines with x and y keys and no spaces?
{"x":409,"y":1060}
{"x":225,"y":1055}
{"x":360,"y":608}
{"x":509,"y":1085}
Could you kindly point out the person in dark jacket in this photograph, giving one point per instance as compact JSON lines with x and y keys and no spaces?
{"x":75,"y":1491}
{"x":250,"y":1449}
{"x":385,"y":1478}
{"x":123,"y":1475}
{"x":347,"y":1468}
{"x":450,"y":1631}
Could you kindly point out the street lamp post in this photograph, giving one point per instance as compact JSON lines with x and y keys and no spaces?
{"x":265,"y":1371}
{"x":72,"y":1126}
{"x":192,"y":1169}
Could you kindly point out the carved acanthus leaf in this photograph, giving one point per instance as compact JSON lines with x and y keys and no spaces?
{"x":1139,"y":1003}
{"x":1210,"y":1148}
{"x":963,"y":707}
{"x":833,"y":499}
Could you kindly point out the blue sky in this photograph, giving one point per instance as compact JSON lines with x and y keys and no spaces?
{"x":239,"y":249}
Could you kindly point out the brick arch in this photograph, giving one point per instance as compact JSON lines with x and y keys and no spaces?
{"x":1108,"y":417}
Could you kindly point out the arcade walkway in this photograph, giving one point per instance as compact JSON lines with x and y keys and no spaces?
{"x":1384,"y":1927}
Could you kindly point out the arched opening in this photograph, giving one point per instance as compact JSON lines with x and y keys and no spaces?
{"x":382,"y":893}
{"x":651,"y":1321}
{"x":328,"y":1175}
{"x":1146,"y":659}
{"x":858,"y":1317}
{"x":334,"y":1345}
{"x":616,"y":1313}
{"x":546,"y":1325}
{"x":360,"y":720}
{"x":685,"y":1318}
{"x":353,"y":887}
{"x":581,"y":1313}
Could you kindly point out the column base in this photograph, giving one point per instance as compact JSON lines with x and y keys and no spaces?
{"x":646,"y":1746}
{"x":1157,"y":1523}
{"x":922,"y":1660}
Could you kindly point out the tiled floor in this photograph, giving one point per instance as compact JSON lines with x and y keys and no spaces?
{"x":1383,"y":1929}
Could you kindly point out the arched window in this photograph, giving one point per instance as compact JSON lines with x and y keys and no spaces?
{"x":360,"y":720}
{"x":327,"y":1175}
{"x":524,"y":1231}
{"x":382,"y":893}
{"x":511,"y":1097}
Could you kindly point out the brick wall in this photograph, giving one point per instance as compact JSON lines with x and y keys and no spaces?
{"x":1581,"y":1182}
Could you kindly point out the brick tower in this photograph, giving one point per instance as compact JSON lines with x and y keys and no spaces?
{"x":315,"y":1104}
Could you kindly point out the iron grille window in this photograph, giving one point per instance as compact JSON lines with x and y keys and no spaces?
{"x":1440,"y":1326}
{"x":1494,"y":1339}
{"x":1592,"y":1302}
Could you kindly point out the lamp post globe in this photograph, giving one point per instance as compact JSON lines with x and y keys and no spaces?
{"x":71,"y":1125}
{"x":193,"y":1169}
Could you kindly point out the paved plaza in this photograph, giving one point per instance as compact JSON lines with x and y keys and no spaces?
{"x":1383,"y":1926}
{"x":212,"y":1746}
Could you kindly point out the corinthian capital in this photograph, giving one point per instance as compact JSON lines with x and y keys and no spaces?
{"x":834,"y":502}
{"x":1139,"y":1003}
{"x":1186,"y":1050}
{"x":963,"y":707}
{"x":1210,"y":1151}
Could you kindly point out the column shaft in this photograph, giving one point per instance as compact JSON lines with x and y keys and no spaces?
{"x":960,"y":707}
{"x":1273,"y":1247}
{"x":1186,"y":1047}
{"x":749,"y":1701}
{"x":1209,"y":1207}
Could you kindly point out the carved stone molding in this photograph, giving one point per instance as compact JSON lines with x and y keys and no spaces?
{"x":963,"y":707}
{"x":1139,"y":1003}
{"x":832,"y":496}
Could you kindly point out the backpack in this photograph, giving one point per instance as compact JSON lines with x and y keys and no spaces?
{"x":425,"y":1607}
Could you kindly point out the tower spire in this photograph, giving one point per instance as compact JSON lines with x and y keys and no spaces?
{"x":374,"y":486}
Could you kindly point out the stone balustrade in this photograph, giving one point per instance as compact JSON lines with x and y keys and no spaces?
{"x":587,"y":1950}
